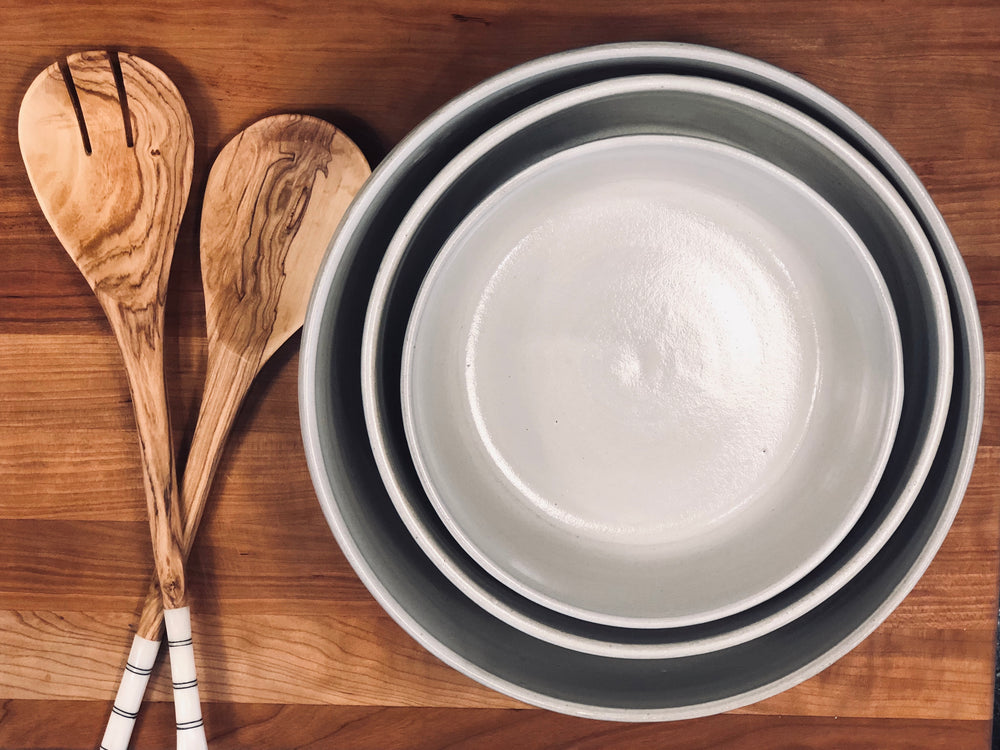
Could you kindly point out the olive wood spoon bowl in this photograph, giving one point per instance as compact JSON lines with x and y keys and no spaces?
{"x":108,"y":146}
{"x":273,"y":200}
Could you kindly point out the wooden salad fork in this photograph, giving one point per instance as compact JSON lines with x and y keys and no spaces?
{"x":108,"y":146}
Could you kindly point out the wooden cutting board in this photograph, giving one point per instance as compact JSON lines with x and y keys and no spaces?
{"x":293,"y":651}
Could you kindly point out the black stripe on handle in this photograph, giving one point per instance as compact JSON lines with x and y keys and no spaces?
{"x":125,"y":714}
{"x":183,"y":642}
{"x":130,"y":667}
{"x":190,"y":724}
{"x":185,"y":685}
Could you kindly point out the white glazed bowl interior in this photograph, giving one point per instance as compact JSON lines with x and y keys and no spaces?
{"x":625,"y":372}
{"x":464,"y":635}
{"x":673,"y":105}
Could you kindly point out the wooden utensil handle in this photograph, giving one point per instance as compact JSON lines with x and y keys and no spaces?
{"x":143,"y":355}
{"x":220,"y":403}
{"x":221,"y":400}
{"x":141,"y":343}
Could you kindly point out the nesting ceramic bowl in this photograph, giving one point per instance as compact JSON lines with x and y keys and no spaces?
{"x":460,"y":631}
{"x":715,"y":581}
{"x":624,"y":372}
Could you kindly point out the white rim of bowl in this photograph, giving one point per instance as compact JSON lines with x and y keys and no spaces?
{"x":380,"y":440}
{"x":805,"y":94}
{"x":860,"y":254}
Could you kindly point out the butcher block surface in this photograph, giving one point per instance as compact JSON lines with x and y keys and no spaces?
{"x":292,"y":650}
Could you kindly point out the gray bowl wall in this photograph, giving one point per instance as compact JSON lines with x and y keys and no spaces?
{"x":437,"y":614}
{"x":765,"y":129}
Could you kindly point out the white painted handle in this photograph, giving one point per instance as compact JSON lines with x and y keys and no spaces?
{"x":130,"y":691}
{"x":187,"y":705}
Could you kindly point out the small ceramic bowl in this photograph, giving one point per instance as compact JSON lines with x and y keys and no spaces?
{"x":625,"y":369}
{"x":749,"y":589}
{"x":466,"y":636}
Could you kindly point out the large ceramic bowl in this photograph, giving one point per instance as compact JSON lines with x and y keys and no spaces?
{"x":782,"y":136}
{"x":456,"y":629}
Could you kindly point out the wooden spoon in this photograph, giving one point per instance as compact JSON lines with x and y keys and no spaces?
{"x":108,"y":146}
{"x":273,"y":200}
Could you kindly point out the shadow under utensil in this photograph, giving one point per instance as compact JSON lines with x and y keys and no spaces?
{"x":365,"y":137}
{"x":185,"y":345}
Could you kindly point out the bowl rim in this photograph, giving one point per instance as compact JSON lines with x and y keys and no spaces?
{"x":724,"y":635}
{"x":807,"y":97}
{"x":853,"y":254}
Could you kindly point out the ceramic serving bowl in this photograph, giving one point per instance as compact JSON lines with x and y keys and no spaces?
{"x":713,"y":577}
{"x":625,"y":369}
{"x":458,"y":630}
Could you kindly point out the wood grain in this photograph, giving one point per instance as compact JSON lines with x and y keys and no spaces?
{"x":71,"y":500}
{"x":243,"y":725}
{"x":113,"y":180}
{"x":274,"y":198}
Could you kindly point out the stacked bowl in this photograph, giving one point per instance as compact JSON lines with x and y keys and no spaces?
{"x":641,"y":382}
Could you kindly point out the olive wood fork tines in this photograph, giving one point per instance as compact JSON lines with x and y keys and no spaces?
{"x":108,"y":146}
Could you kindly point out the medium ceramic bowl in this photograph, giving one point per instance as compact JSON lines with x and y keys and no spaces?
{"x":626,"y":367}
{"x":744,"y":595}
{"x":456,"y":629}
